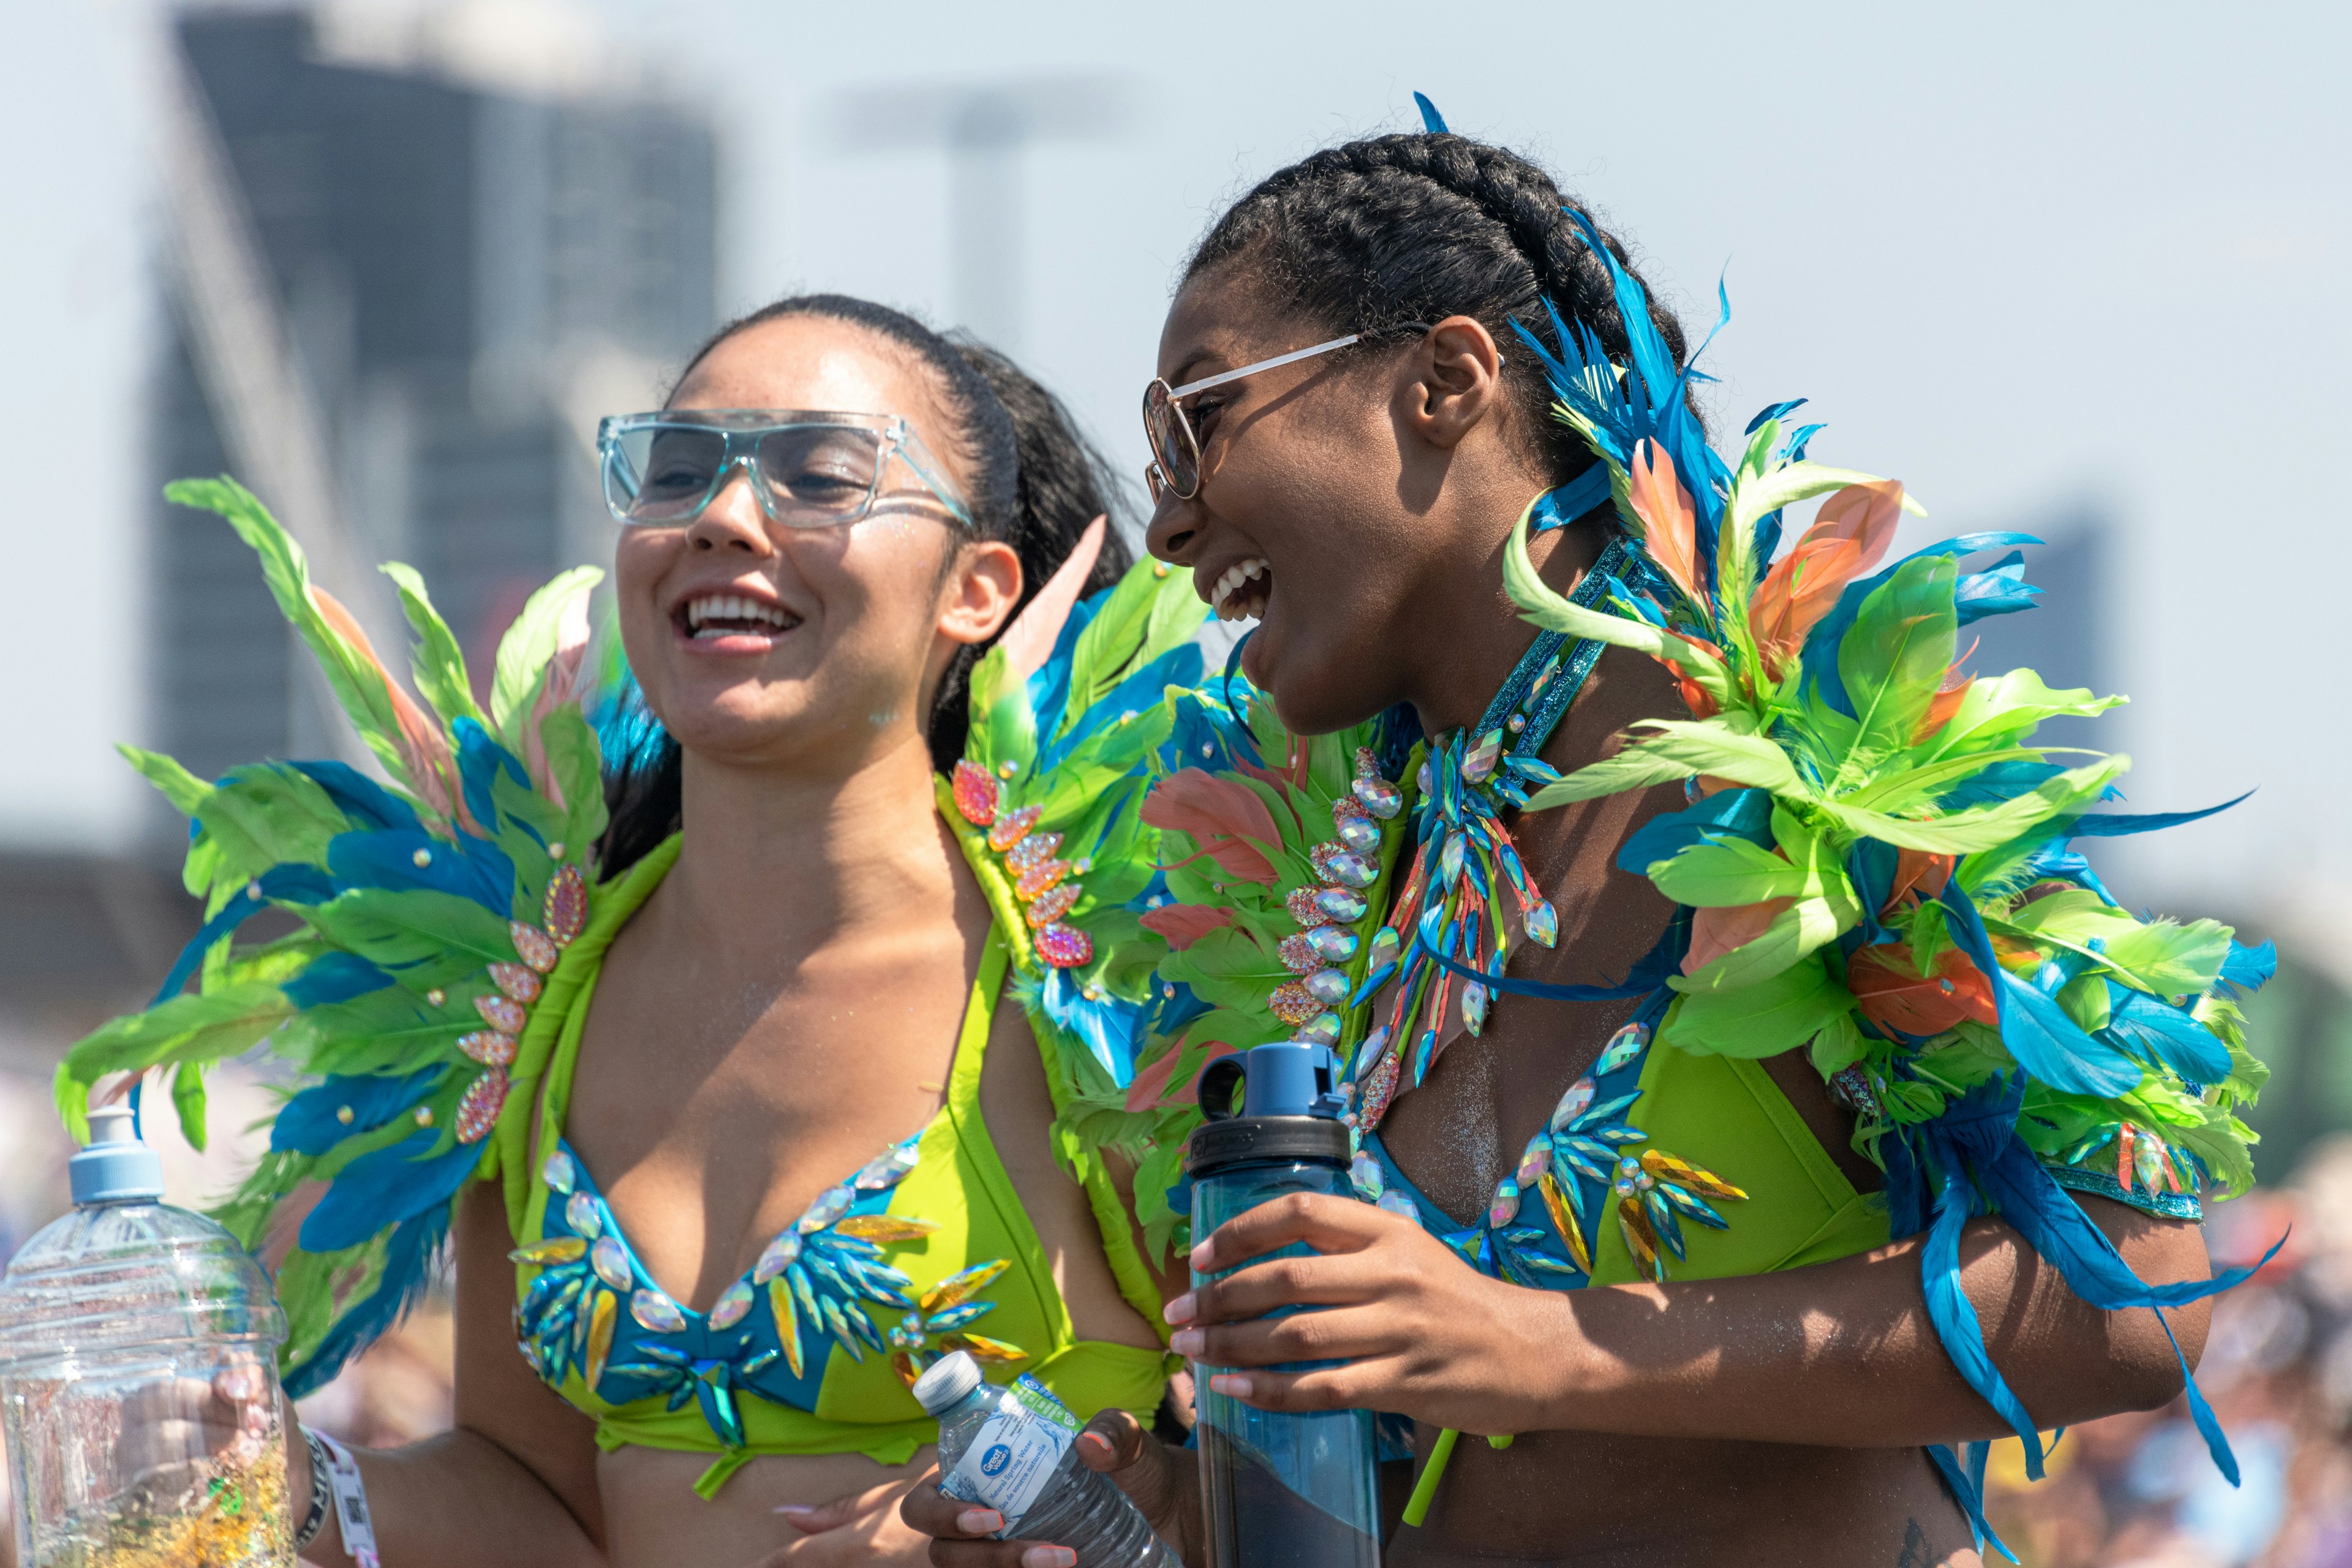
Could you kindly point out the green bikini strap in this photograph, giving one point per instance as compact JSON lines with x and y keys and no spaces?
{"x":978,"y":1148}
{"x":548,"y":1047}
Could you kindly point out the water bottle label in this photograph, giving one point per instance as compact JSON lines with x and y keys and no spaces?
{"x":1014,"y":1453}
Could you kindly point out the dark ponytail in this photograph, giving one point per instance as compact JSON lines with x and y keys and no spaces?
{"x":1378,"y":233}
{"x":1036,"y":481}
{"x":1061,"y":483}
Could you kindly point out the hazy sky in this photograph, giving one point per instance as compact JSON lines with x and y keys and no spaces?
{"x":2026,"y":258}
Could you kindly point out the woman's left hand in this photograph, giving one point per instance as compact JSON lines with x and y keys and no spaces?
{"x":859,"y":1527}
{"x":1414,"y":1330}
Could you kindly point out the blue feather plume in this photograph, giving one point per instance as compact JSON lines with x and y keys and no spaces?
{"x":386,"y":1186}
{"x":407,"y":1275}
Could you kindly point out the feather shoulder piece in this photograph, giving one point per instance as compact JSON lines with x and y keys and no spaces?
{"x":1278,"y":849}
{"x":428,"y":915}
{"x":1876,"y":861}
{"x":1069,"y":723}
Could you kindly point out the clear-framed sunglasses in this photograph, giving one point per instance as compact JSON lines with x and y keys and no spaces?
{"x":1176,"y":451}
{"x":809,"y":468}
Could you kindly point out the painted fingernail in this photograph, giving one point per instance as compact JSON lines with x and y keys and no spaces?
{"x":980,"y":1521}
{"x":1179,"y":1311}
{"x":1203,"y":1258}
{"x":1100,"y":1442}
{"x":1049,"y":1557}
{"x":802,"y":1508}
{"x":1188,"y":1341}
{"x":1235,"y":1384}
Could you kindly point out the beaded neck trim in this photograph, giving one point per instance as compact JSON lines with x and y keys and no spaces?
{"x":1445,"y":915}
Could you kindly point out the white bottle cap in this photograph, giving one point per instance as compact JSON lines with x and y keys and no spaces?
{"x":944,"y":1387}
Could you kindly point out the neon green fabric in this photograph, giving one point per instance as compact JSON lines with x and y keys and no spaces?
{"x":958,"y":1184}
{"x":1726,"y":1115}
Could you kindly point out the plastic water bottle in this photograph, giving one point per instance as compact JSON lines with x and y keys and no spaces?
{"x":1280,"y":1490}
{"x":138,"y":1383}
{"x":1014,"y":1449}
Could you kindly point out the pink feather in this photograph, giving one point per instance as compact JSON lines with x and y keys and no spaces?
{"x":1224,"y":818}
{"x":1184,"y":924}
{"x":432,"y":770}
{"x":1149,"y":1089}
{"x":561,"y":689}
{"x":1028,"y":642}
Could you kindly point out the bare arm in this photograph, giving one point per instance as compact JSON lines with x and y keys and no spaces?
{"x":1838,"y":1353}
{"x":514,"y":1484}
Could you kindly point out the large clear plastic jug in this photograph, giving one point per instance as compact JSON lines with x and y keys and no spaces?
{"x":138,"y":1386}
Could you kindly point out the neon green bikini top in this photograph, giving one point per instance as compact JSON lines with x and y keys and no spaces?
{"x":925,"y":1250}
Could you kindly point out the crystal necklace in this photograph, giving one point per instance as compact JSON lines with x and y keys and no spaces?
{"x":1445,"y":915}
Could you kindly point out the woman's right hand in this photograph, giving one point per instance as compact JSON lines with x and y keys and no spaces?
{"x":175,"y":1431}
{"x":1161,"y":1480}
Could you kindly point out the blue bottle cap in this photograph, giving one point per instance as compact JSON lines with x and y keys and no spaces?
{"x":1289,"y":1077}
{"x":116,"y":1168}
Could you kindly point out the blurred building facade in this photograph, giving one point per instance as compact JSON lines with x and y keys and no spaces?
{"x":459,"y":271}
{"x":465,"y":277}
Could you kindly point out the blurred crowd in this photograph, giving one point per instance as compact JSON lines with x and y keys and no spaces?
{"x":2132,"y":1491}
{"x":2137,"y":1491}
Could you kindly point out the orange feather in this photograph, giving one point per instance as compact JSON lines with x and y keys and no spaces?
{"x":1669,"y":518}
{"x":1915,"y":869}
{"x":1891,"y":992}
{"x":1849,"y":537}
{"x":1717,"y":932}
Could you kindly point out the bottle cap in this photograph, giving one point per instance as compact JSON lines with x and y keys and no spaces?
{"x":1289,"y":1077}
{"x":116,"y":1168}
{"x":944,"y":1387}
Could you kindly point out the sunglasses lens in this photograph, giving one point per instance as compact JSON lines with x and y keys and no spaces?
{"x":1172,"y":440}
{"x":819,"y":474}
{"x":661,"y":475}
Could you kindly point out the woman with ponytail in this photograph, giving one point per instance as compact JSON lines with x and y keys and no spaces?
{"x":1759,"y":1104}
{"x":748,"y":1119}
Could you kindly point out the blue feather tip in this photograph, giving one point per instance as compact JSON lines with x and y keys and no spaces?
{"x":1431,"y":121}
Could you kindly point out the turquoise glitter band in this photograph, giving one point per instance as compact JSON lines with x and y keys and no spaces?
{"x":2168,"y":1206}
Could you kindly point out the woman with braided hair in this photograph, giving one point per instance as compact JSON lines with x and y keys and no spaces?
{"x":1759,"y":1103}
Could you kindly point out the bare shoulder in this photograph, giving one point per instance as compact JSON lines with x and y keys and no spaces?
{"x":1017,"y":1106}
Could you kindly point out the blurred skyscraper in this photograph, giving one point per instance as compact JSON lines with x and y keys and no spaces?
{"x":460,"y":278}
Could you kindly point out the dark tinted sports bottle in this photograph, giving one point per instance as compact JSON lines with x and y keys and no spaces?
{"x":1280,"y":1490}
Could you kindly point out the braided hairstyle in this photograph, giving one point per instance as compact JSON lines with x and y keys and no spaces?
{"x":1036,"y":481}
{"x":1372,"y":235}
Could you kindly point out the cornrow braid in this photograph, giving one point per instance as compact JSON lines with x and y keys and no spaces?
{"x":1374,"y":234}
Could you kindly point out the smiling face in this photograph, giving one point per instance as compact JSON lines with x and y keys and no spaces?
{"x":1354,"y":503}
{"x":761,"y":644}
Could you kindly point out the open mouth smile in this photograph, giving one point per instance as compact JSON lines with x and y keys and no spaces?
{"x":711,"y":619}
{"x":1241,"y":592}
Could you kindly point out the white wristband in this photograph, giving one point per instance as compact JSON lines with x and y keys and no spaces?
{"x":351,"y":1503}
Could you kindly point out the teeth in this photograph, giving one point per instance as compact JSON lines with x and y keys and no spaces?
{"x":1221,"y":597}
{"x":732,"y":607}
